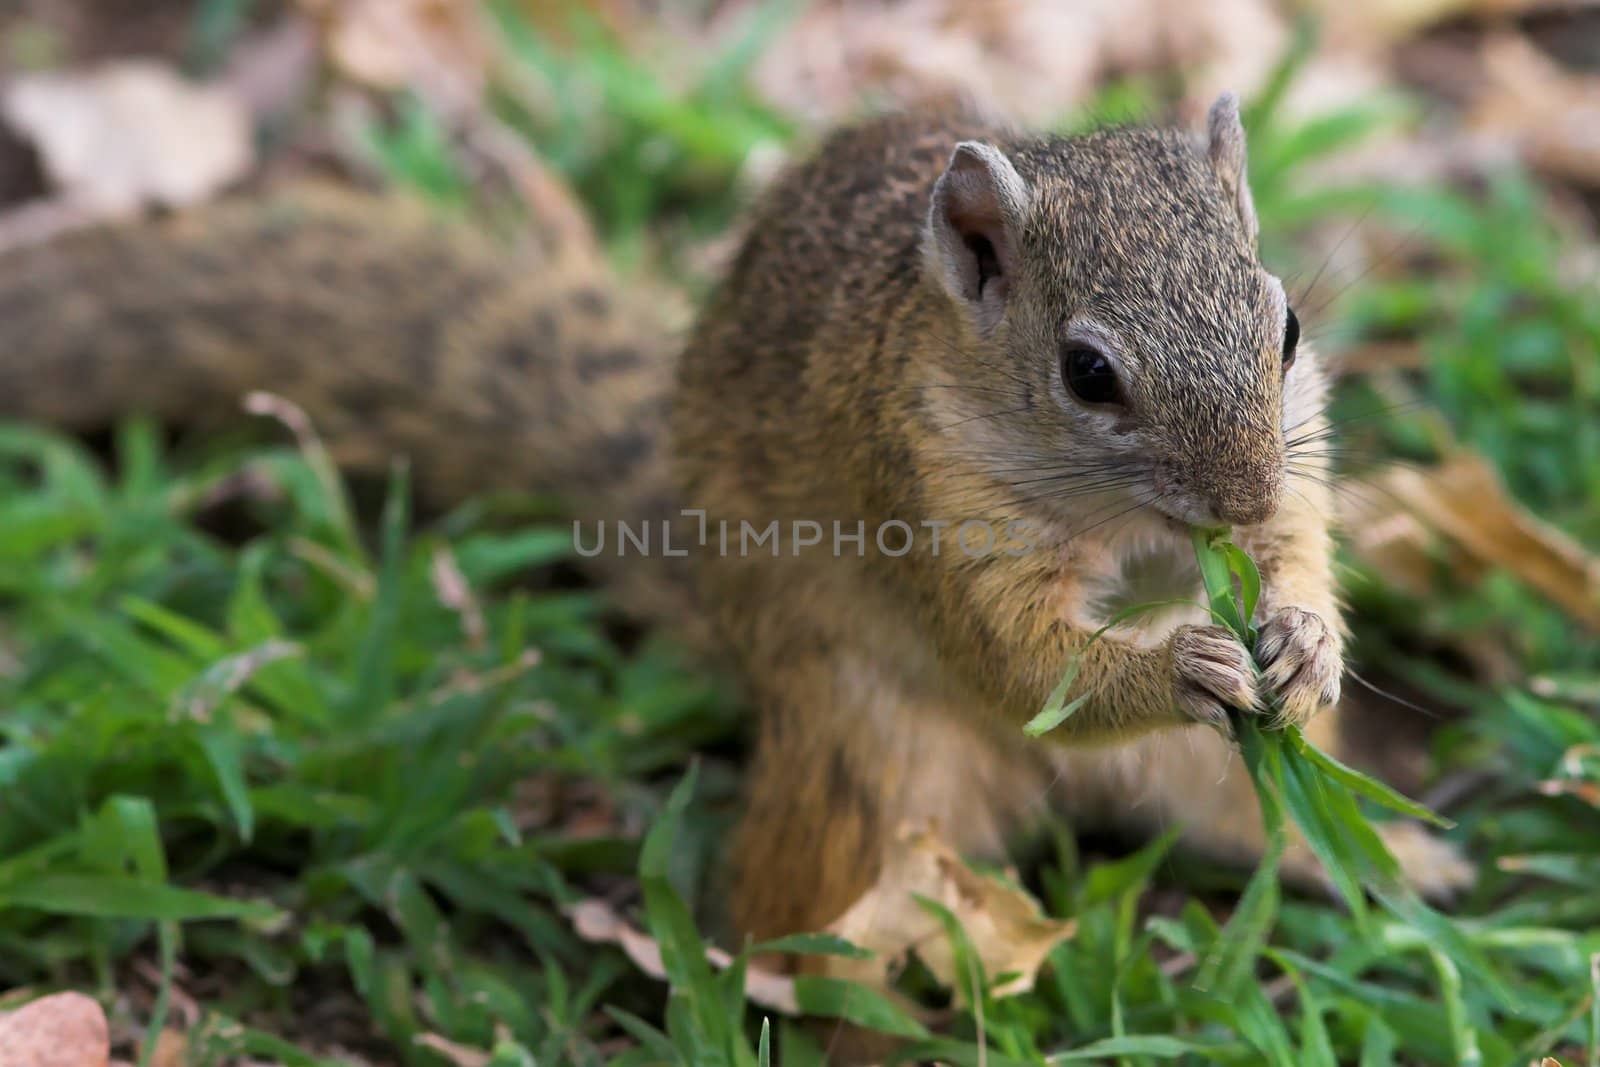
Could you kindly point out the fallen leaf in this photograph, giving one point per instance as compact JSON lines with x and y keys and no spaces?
{"x":130,"y":134}
{"x":596,"y":921}
{"x":172,"y":1049}
{"x":438,"y":48}
{"x":1553,"y":116}
{"x":64,"y":1030}
{"x":1374,"y":24}
{"x":1010,"y":934}
{"x":443,"y":51}
{"x":1462,"y":503}
{"x":1032,"y":60}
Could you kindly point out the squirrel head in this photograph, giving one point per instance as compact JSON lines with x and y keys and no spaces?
{"x":1112,"y":312}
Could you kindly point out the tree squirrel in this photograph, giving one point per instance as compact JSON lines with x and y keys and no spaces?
{"x":933,"y":322}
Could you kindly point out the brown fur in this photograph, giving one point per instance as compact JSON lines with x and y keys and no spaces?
{"x":399,"y":334}
{"x":833,"y":377}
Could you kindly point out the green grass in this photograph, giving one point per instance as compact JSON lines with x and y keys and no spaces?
{"x":259,"y":750}
{"x":317,"y":735}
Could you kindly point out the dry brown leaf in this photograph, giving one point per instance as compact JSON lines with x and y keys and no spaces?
{"x":443,"y":51}
{"x":439,"y":48}
{"x":1391,"y":539}
{"x":1551,"y":114}
{"x":596,"y":921}
{"x":131,"y":134}
{"x":64,"y":1030}
{"x":1462,"y":502}
{"x":1030,"y":59}
{"x":1375,"y":24}
{"x":172,"y":1049}
{"x":1007,"y":929}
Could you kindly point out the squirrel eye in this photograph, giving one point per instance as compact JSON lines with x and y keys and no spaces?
{"x":1291,"y":338}
{"x":1088,"y":373}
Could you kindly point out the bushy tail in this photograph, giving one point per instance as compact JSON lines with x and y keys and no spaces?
{"x":398,"y":334}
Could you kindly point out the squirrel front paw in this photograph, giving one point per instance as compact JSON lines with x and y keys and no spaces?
{"x":1212,"y":672}
{"x":1301,"y":663}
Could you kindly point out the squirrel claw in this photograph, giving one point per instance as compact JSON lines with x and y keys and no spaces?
{"x":1301,"y":663}
{"x":1213,"y":673}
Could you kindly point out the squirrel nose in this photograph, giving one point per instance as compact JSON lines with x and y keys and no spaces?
{"x":1245,"y":509}
{"x":1243,"y":486}
{"x":1247,"y":500}
{"x":1230,"y":494}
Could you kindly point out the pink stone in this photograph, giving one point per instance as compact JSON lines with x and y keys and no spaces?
{"x":64,"y":1030}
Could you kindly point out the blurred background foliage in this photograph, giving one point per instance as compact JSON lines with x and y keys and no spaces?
{"x":291,"y":778}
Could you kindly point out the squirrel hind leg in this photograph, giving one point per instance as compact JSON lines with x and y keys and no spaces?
{"x":840,"y":768}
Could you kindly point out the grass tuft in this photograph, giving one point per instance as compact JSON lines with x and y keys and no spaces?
{"x":259,"y":754}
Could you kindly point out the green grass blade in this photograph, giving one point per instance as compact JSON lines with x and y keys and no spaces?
{"x":1362,"y":784}
{"x":121,"y":897}
{"x":1462,"y":1036}
{"x":1155,"y":1046}
{"x":813,"y":944}
{"x":859,"y":1004}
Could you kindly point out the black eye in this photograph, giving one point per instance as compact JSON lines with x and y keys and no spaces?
{"x":1291,"y":338}
{"x":1088,"y":373}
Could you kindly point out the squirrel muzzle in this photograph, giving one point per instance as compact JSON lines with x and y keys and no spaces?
{"x":1222,"y":490}
{"x":1243,"y":492}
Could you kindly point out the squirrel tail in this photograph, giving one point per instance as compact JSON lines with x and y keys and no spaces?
{"x":397,"y":333}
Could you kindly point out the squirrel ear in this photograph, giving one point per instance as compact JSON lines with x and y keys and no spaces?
{"x":1226,"y":150}
{"x":974,"y":225}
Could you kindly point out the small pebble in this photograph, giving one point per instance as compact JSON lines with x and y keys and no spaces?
{"x":63,"y":1030}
